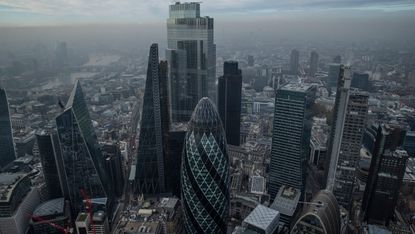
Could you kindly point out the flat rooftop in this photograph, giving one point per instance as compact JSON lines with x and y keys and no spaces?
{"x":262,"y":217}
{"x":298,"y":87}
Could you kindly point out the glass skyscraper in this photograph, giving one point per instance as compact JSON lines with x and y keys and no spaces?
{"x":7,"y":154}
{"x":192,"y":58}
{"x":154,"y":127}
{"x":205,"y":172}
{"x":229,"y":101}
{"x":290,"y":139}
{"x":82,"y":159}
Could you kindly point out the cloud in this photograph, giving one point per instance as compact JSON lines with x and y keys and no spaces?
{"x":150,"y":10}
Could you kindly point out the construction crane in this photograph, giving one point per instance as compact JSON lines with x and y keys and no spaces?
{"x":54,"y":225}
{"x":88,"y":206}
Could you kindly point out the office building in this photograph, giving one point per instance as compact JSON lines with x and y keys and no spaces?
{"x":229,"y":101}
{"x":113,"y":164}
{"x":339,"y":117}
{"x":7,"y":154}
{"x":173,"y":159}
{"x":409,"y":143}
{"x":386,"y":172}
{"x":205,"y":172}
{"x":49,"y":150}
{"x":98,"y":225}
{"x":54,"y":211}
{"x":351,"y":143}
{"x":18,"y":200}
{"x":262,"y":220}
{"x":337,"y":59}
{"x":286,"y":202}
{"x":313,"y":63}
{"x":322,"y":215}
{"x":360,"y":81}
{"x":150,"y":173}
{"x":294,"y":62}
{"x":291,"y":137}
{"x":191,"y":55}
{"x":82,"y":161}
{"x":333,"y":75}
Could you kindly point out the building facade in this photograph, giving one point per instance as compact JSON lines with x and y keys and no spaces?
{"x":82,"y":161}
{"x":313,"y":63}
{"x":205,"y":172}
{"x":150,"y":173}
{"x":191,"y":55}
{"x":7,"y":154}
{"x":291,"y":136}
{"x":294,"y":62}
{"x":229,"y":101}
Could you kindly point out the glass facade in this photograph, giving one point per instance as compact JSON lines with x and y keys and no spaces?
{"x":7,"y":154}
{"x":150,"y":175}
{"x":291,"y":135}
{"x":192,"y":56}
{"x":81,"y":157}
{"x":205,"y":172}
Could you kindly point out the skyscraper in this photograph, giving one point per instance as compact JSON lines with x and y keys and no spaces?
{"x":205,"y":172}
{"x":361,"y":81}
{"x":7,"y":154}
{"x":350,"y":115}
{"x":386,"y":172}
{"x":409,"y":143}
{"x":339,"y":116}
{"x":82,"y":159}
{"x":294,"y":61}
{"x":192,"y":58}
{"x":333,"y":74}
{"x":313,"y":63}
{"x":290,"y":139}
{"x":229,"y":101}
{"x":49,"y":149}
{"x":150,"y":175}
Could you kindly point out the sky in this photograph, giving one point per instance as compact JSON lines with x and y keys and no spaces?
{"x":69,"y":12}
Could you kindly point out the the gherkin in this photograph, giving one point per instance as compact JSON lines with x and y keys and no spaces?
{"x":205,"y":172}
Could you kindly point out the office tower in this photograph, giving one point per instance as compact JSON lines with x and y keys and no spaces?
{"x":337,"y":59}
{"x":290,"y":139}
{"x":322,"y":215}
{"x":49,"y":150}
{"x":386,"y":172}
{"x":6,"y":135}
{"x":18,"y":200}
{"x":333,"y":74}
{"x":98,"y":225}
{"x":251,"y":61}
{"x":54,"y":211}
{"x":360,"y":80}
{"x":313,"y":63}
{"x":82,"y":160}
{"x":346,"y":137}
{"x":409,"y":144}
{"x":294,"y":61}
{"x":205,"y":172}
{"x":173,"y":158}
{"x":113,"y":165}
{"x":339,"y":117}
{"x":229,"y":101}
{"x":150,"y":177}
{"x":191,"y":55}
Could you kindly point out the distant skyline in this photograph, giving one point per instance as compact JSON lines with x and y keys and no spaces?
{"x":64,"y":12}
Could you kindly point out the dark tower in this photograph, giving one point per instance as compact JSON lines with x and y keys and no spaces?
{"x":150,"y":175}
{"x":49,"y":150}
{"x":313,"y":63}
{"x":205,"y":172}
{"x":294,"y":61}
{"x":386,"y":172}
{"x":229,"y":101}
{"x":7,"y":154}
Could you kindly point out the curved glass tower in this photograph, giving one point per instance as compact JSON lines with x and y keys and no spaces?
{"x":6,"y":137}
{"x":205,"y":172}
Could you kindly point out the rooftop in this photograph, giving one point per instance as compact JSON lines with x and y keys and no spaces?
{"x":286,"y":200}
{"x":299,"y":87}
{"x":262,"y":217}
{"x":8,"y":181}
{"x":51,"y":207}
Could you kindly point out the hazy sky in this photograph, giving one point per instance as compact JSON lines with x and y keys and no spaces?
{"x":57,"y":12}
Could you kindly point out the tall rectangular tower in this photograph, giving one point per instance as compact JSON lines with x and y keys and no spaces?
{"x":229,"y":101}
{"x":150,"y":174}
{"x":191,"y":54}
{"x":291,"y":135}
{"x":7,"y":154}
